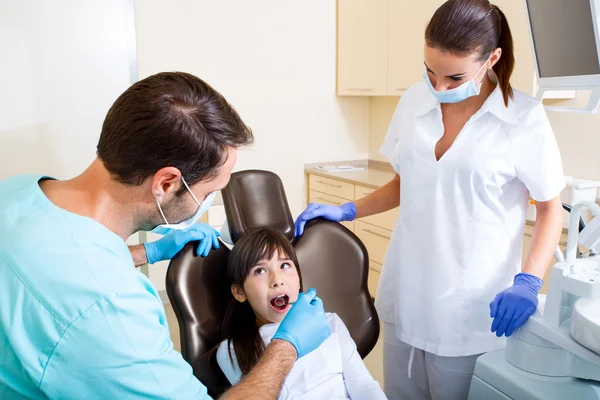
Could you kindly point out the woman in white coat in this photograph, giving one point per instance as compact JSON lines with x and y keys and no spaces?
{"x":468,"y":151}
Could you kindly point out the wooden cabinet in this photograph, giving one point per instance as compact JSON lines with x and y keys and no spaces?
{"x":375,"y":231}
{"x":323,"y":198}
{"x":380,"y":45}
{"x":407,"y":22}
{"x":374,"y":274}
{"x":386,"y":220}
{"x":362,"y":46}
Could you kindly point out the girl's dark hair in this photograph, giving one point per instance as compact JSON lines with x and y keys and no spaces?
{"x":465,"y":27}
{"x":239,"y":325}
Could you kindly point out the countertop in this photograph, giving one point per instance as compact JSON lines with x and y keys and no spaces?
{"x":374,"y":175}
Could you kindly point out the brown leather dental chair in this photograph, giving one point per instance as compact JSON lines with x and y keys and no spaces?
{"x":332,"y":260}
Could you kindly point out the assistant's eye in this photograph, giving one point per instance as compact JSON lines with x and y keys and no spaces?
{"x":456,"y":78}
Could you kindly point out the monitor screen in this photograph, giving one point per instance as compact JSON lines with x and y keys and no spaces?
{"x":563,"y":37}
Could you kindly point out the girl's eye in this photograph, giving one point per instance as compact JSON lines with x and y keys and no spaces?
{"x":285,"y":266}
{"x":259,"y":271}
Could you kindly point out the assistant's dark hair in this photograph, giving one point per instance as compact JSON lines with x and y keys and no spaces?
{"x":465,"y":27}
{"x":169,"y":119}
{"x":239,"y":325}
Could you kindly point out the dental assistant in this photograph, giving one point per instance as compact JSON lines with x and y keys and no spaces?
{"x":468,"y":151}
{"x":77,"y":321}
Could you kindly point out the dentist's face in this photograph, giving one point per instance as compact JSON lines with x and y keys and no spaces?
{"x":181,"y":206}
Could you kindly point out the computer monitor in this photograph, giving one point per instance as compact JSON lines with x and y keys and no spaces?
{"x":566,"y":45}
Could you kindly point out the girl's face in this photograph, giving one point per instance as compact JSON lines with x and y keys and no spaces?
{"x":270,"y":288}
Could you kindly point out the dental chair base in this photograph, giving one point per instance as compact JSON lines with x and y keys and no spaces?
{"x":495,"y":379}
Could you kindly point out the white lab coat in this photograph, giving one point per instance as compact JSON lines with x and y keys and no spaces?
{"x":458,"y":239}
{"x":332,"y":371}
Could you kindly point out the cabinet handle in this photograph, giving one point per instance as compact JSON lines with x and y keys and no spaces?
{"x":329,"y":184}
{"x":377,"y":234}
{"x":335,"y":203}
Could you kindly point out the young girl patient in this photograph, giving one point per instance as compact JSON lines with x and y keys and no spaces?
{"x":265,"y":280}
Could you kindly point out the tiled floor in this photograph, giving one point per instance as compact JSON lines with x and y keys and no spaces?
{"x":374,"y":360}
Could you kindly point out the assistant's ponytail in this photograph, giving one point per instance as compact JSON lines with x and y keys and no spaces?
{"x":505,"y":66}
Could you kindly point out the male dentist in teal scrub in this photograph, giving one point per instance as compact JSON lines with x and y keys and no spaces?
{"x":76,"y":318}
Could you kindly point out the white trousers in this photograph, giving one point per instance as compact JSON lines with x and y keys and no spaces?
{"x":422,"y":375}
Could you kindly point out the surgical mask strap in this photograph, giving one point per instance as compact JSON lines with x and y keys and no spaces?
{"x":482,"y":67}
{"x":191,"y":193}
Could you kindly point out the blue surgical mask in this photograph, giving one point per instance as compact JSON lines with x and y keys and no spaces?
{"x":459,"y":93}
{"x":165,"y":228}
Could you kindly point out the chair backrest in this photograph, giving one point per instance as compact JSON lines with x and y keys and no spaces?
{"x":335,"y":262}
{"x":332,"y":260}
{"x":198,"y":290}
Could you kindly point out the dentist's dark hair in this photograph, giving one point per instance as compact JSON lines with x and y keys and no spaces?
{"x":239,"y":325}
{"x":169,"y":119}
{"x":466,"y":27}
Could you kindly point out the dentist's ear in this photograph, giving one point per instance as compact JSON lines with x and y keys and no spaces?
{"x":238,"y":293}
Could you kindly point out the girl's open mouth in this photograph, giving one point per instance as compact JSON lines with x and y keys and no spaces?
{"x":280,"y":303}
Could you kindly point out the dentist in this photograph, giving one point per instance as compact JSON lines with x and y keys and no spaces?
{"x":76,"y":318}
{"x":468,"y":150}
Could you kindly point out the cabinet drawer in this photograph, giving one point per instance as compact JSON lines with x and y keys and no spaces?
{"x":376,"y":240}
{"x":317,"y":197}
{"x":333,"y":187}
{"x":386,"y":220}
{"x":373,"y":282}
{"x":376,"y":266}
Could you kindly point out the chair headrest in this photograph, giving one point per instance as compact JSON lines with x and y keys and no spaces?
{"x":256,"y":199}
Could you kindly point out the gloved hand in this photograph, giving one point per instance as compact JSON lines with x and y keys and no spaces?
{"x":345,"y":212}
{"x":166,"y":247}
{"x":513,"y":306}
{"x":305,"y":326}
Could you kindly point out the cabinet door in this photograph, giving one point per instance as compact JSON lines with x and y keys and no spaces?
{"x":362,"y":43}
{"x":523,"y":77}
{"x":408,"y":20}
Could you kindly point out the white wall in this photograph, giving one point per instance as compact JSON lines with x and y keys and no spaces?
{"x":381,"y":110}
{"x":275,"y":62}
{"x":63,"y":64}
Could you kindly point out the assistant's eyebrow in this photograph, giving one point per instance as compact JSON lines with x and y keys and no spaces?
{"x":447,"y":76}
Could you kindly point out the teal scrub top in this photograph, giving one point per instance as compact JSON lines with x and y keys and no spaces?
{"x":77,"y":320}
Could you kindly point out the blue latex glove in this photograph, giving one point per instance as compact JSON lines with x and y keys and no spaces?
{"x":345,"y":212}
{"x":305,"y":326}
{"x":513,"y":306}
{"x":173,"y":242}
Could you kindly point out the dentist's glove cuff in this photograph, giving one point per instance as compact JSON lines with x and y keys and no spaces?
{"x":348,"y":211}
{"x":151,"y":252}
{"x":530,"y":281}
{"x":291,"y":339}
